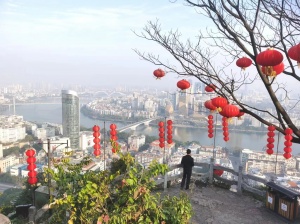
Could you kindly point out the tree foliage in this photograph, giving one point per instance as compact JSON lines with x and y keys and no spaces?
{"x":241,"y":28}
{"x":123,"y":195}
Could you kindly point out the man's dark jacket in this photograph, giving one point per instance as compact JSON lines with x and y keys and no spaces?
{"x":187,"y":162}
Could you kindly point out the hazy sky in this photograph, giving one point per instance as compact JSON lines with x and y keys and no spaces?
{"x":85,"y":42}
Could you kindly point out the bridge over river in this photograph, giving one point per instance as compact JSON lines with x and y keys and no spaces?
{"x":136,"y":124}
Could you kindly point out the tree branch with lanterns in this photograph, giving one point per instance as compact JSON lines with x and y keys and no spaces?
{"x":261,"y":34}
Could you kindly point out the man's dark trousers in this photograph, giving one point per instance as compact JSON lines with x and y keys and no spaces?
{"x":187,"y":173}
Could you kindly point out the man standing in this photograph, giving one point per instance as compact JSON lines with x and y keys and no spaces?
{"x":187,"y":162}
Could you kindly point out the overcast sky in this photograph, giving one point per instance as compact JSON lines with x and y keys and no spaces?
{"x":87,"y":42}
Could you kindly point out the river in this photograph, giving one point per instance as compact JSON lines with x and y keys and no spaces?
{"x":254,"y":141}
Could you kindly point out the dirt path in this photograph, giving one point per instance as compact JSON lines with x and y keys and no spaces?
{"x":215,"y":205}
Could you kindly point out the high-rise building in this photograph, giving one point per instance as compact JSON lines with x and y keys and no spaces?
{"x":70,"y":117}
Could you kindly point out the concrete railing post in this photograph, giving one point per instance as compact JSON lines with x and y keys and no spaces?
{"x":31,"y":214}
{"x":166,"y":181}
{"x":240,"y":179}
{"x":211,"y":171}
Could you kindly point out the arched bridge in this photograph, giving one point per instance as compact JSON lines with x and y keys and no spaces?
{"x":134,"y":125}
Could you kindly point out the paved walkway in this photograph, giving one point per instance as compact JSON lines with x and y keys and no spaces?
{"x":213,"y":205}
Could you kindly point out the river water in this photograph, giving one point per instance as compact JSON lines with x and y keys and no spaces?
{"x":254,"y":141}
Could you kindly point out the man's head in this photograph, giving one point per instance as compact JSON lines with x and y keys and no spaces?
{"x":188,"y":151}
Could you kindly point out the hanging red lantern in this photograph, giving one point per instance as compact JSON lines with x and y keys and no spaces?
{"x":113,"y":138}
{"x":270,"y":139}
{"x":159,"y":73}
{"x":287,"y":155}
{"x":288,"y":143}
{"x":31,"y":167}
{"x":239,"y":116}
{"x":183,"y":84}
{"x":269,"y":57}
{"x":30,"y":152}
{"x":225,"y":129}
{"x":169,"y":131}
{"x":210,"y":88}
{"x":210,"y":126}
{"x":32,"y":180}
{"x":219,"y":102}
{"x":294,"y":53}
{"x":96,"y":140}
{"x":161,"y":129}
{"x":243,"y":62}
{"x":230,"y":111}
{"x":273,"y":70}
{"x":209,"y":105}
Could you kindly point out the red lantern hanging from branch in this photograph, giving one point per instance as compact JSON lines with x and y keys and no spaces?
{"x":294,"y":54}
{"x":288,"y":143}
{"x":273,"y":70}
{"x":96,"y":140}
{"x":159,"y":73}
{"x":183,"y":84}
{"x":270,"y":140}
{"x":239,"y":116}
{"x":225,"y":129}
{"x":209,"y":105}
{"x":269,"y":57}
{"x":219,"y":102}
{"x":210,"y":126}
{"x":32,"y":180}
{"x":230,"y":111}
{"x":161,"y":128}
{"x":169,"y":131}
{"x":113,"y":138}
{"x":243,"y":62}
{"x":210,"y":88}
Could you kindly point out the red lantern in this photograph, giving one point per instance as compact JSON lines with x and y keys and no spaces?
{"x":210,"y":88}
{"x":210,"y":126}
{"x":243,"y":62}
{"x":270,"y":139}
{"x":287,"y":149}
{"x":287,"y":155}
{"x":219,"y":102}
{"x":96,"y":140}
{"x":225,"y":129}
{"x":113,"y":137}
{"x":159,"y":73}
{"x":294,"y":53}
{"x":32,"y":173}
{"x":273,"y":70}
{"x":161,"y":134}
{"x":32,"y":180}
{"x":31,"y":166}
{"x":96,"y":128}
{"x":183,"y":84}
{"x":230,"y":111}
{"x":288,"y":143}
{"x":169,"y":132}
{"x":269,"y":57}
{"x":218,"y":172}
{"x":31,"y":159}
{"x":239,"y":116}
{"x":30,"y":152}
{"x":209,"y":105}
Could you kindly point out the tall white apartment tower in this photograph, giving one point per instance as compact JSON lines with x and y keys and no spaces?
{"x":70,"y":117}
